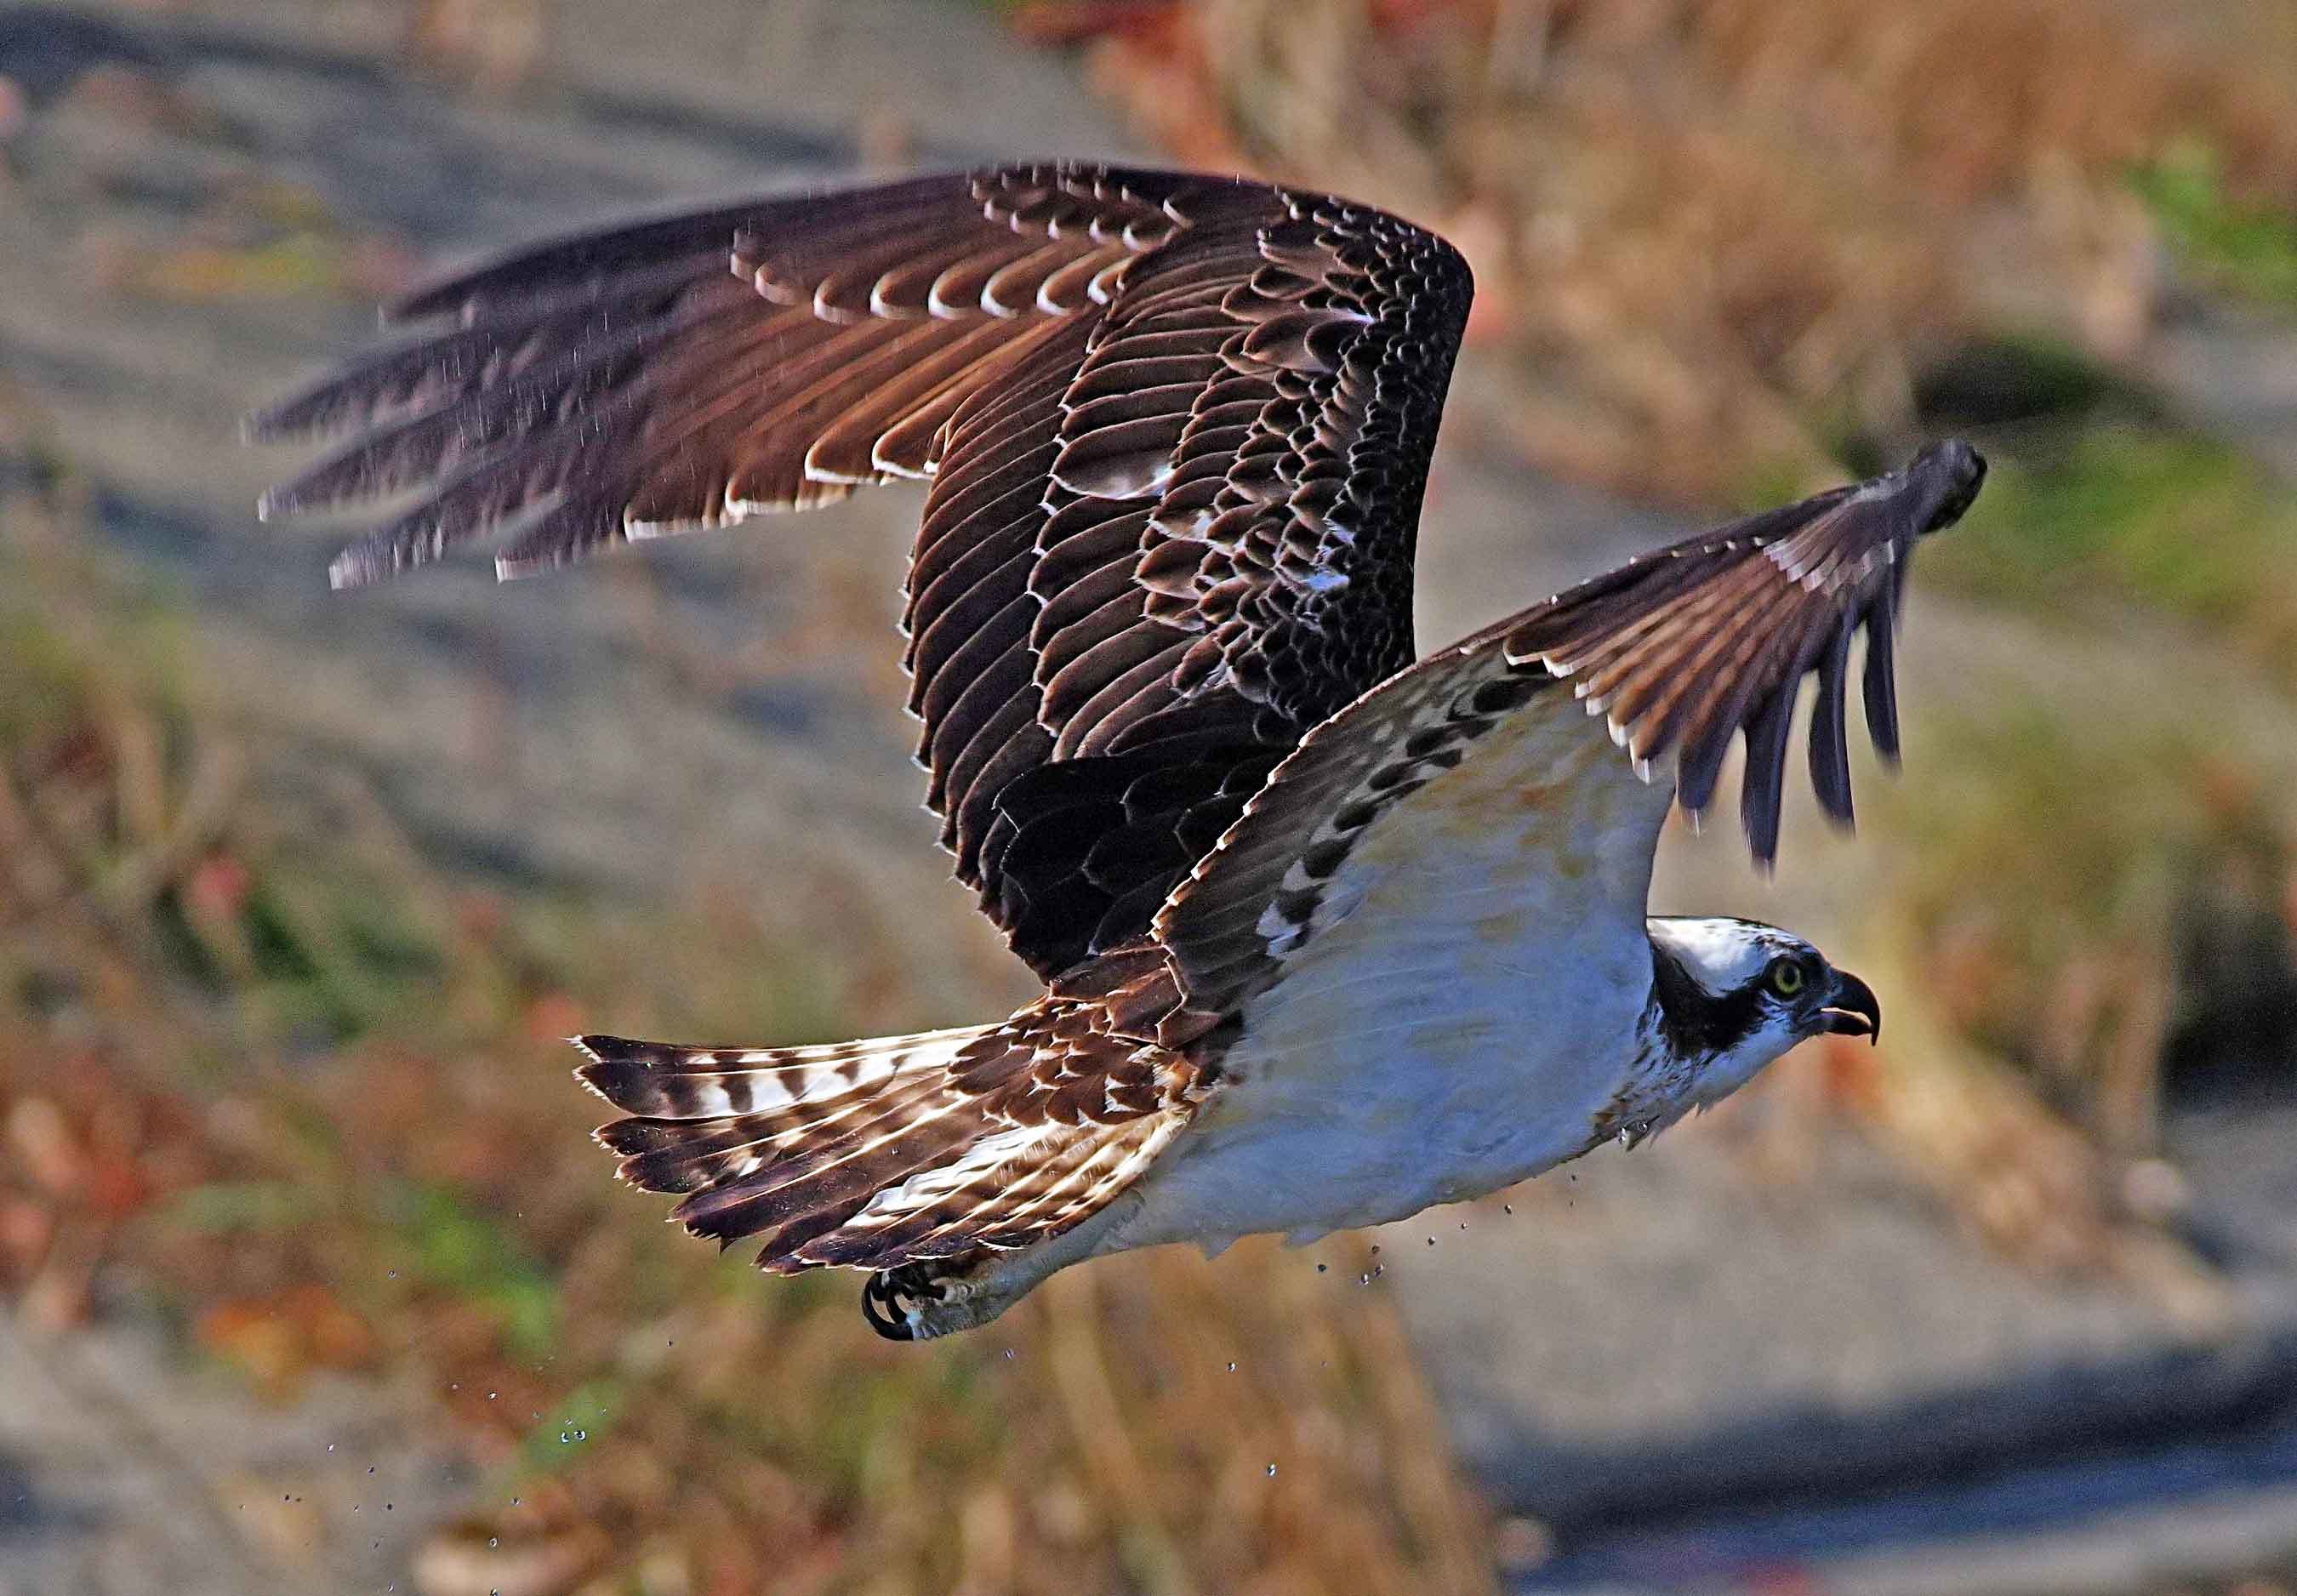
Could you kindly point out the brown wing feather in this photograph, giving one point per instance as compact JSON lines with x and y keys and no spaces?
{"x":631,"y":377}
{"x":1231,"y":485}
{"x":1681,"y":650}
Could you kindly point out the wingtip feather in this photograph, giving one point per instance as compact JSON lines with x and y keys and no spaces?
{"x":1948,"y":475}
{"x":355,"y":567}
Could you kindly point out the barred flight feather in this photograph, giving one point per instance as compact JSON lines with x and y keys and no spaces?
{"x":875,"y":1153}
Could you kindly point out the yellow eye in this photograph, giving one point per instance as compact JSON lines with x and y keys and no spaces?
{"x":1787,"y":977}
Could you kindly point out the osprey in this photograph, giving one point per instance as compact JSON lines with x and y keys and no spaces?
{"x":1328,"y":936}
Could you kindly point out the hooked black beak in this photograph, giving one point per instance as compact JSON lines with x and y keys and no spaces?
{"x":1852,"y":1008}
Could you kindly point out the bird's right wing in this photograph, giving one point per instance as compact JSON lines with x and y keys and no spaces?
{"x":1677,"y":652}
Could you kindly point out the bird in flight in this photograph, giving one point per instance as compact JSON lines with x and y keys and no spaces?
{"x":1328,"y":933}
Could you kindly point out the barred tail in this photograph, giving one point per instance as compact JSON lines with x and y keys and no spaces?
{"x":787,"y":1143}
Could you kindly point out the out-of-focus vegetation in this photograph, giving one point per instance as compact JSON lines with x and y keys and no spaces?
{"x":2100,"y":883}
{"x":2248,"y":245}
{"x":1708,"y":235}
{"x":2090,"y":523}
{"x":2081,"y":883}
{"x":307,"y":1095}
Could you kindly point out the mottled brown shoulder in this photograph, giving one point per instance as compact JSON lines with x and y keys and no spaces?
{"x":1183,"y":536}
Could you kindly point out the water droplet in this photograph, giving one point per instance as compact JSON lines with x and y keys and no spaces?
{"x":331,"y":1446}
{"x":1431,"y":1241}
{"x":1507,"y":1207}
{"x":1231,"y":1367}
{"x":1320,"y":1268}
{"x":1375,"y":1249}
{"x":1363,"y":1280}
{"x":1008,"y":1354}
{"x":493,"y":1541}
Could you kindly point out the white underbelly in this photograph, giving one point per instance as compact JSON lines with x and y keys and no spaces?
{"x":1459,"y":1021}
{"x":1436,"y":1112}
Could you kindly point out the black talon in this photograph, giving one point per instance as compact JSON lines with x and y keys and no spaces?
{"x":885,"y":1299}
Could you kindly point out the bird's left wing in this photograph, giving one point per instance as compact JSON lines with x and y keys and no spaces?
{"x":1176,"y":426}
{"x":1677,"y":652}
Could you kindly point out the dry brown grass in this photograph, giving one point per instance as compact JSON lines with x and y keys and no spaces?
{"x":1717,"y":238}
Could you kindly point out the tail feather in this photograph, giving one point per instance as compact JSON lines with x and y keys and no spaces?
{"x":695,"y":1156}
{"x":667,"y":1082}
{"x":936,"y":1151}
{"x":941,"y":1213}
{"x":787,"y":1143}
{"x":834,"y":1181}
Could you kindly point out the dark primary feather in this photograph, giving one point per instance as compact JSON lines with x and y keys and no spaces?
{"x":1177,"y":426}
{"x":1683,"y":649}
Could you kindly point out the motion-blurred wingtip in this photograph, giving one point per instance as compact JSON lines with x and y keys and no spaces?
{"x":350,"y":569}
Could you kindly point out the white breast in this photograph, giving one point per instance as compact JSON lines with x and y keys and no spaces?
{"x":1463,"y":1005}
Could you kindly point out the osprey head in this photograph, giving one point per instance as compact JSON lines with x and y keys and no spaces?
{"x":1729,"y":996}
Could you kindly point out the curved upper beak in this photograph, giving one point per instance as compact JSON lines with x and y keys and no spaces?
{"x":1852,"y":1008}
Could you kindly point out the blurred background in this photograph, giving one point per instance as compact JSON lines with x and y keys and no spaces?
{"x":310,"y":1280}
